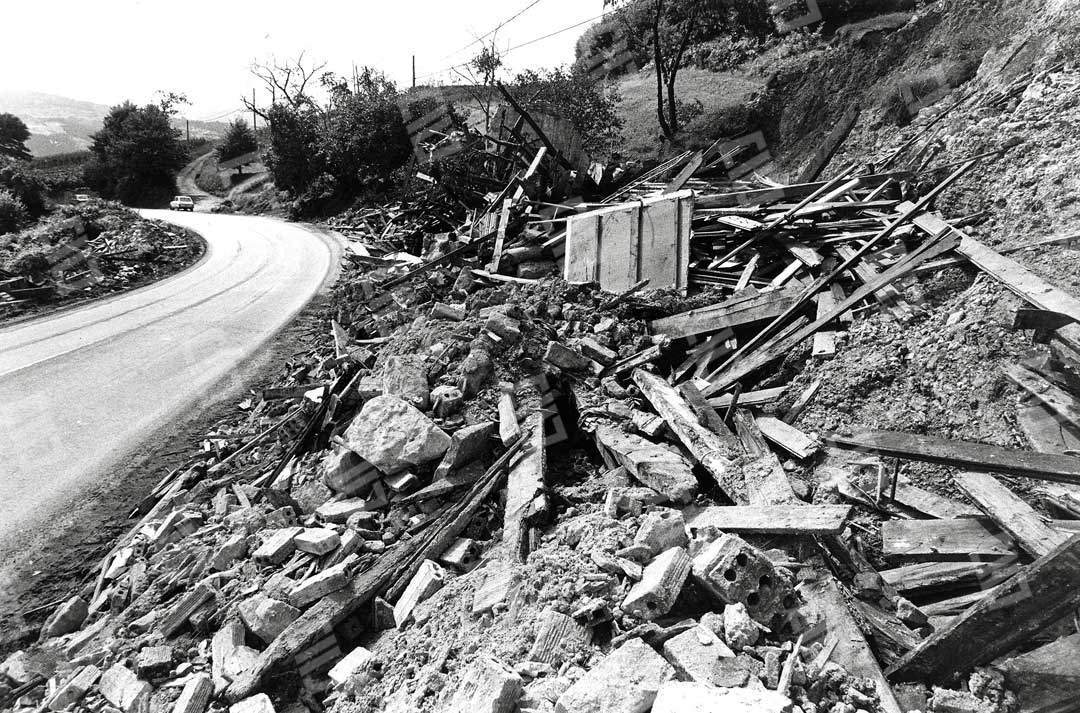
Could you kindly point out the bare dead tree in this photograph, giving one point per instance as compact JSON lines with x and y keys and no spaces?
{"x":286,"y":81}
{"x":482,"y":71}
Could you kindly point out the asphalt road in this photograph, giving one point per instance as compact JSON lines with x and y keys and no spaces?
{"x":80,"y":389}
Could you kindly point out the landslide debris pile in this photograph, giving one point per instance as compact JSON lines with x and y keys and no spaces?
{"x":87,"y":251}
{"x":487,"y":486}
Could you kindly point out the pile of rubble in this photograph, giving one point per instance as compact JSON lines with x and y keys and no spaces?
{"x":88,"y":251}
{"x":489,"y":487}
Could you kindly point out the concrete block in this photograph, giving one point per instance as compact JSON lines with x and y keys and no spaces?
{"x":694,"y":654}
{"x":660,"y":585}
{"x":339,"y":511}
{"x":189,"y":603}
{"x":278,"y":547}
{"x":558,"y":637}
{"x":154,"y":662}
{"x":353,"y":662}
{"x":626,"y":681}
{"x":122,"y":688}
{"x":596,"y":351}
{"x":736,"y":572}
{"x":317,"y":540}
{"x":259,"y":703}
{"x":196,"y":695}
{"x":568,"y":359}
{"x":683,"y":697}
{"x":427,"y":580}
{"x":461,"y":554}
{"x":265,"y":617}
{"x":661,"y":529}
{"x":488,"y":687}
{"x":347,"y":473}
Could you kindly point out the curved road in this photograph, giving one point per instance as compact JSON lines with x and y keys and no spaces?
{"x":81,"y":388}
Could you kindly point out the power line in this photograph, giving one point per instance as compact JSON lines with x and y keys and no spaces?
{"x":523,"y":44}
{"x":498,"y":27}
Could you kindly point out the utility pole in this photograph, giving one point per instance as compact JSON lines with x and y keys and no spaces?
{"x":414,"y":71}
{"x":254,"y":116}
{"x":187,"y":124}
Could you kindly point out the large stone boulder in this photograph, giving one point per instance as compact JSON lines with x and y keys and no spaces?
{"x":393,"y":435}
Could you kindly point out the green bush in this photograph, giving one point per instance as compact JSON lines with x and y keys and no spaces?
{"x":239,"y":140}
{"x":724,"y":53}
{"x":12,"y":212}
{"x":29,"y":260}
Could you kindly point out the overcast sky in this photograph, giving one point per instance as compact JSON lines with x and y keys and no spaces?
{"x":111,"y":50}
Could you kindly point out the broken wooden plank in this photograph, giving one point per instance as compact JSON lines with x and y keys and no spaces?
{"x":925,"y":578}
{"x":760,"y":196}
{"x":930,"y":503}
{"x":1012,"y":514}
{"x":962,"y":454}
{"x":525,"y":492}
{"x":787,"y":436}
{"x":889,"y":297}
{"x":944,"y":539}
{"x":1037,"y":597}
{"x":659,"y":467}
{"x":714,"y":451}
{"x":1013,"y":276}
{"x":771,"y":519}
{"x":1046,"y":680}
{"x":764,"y":477}
{"x":1054,"y":398}
{"x":735,"y":312}
{"x":750,"y":398}
{"x":827,"y":612}
{"x":802,"y":402}
{"x":825,"y":341}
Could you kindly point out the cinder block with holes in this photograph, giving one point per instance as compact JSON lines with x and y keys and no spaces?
{"x":660,"y":585}
{"x":734,"y":571}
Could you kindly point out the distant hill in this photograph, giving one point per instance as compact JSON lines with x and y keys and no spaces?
{"x":61,"y":125}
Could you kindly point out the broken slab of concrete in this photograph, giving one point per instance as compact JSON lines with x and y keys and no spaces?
{"x":394,"y":435}
{"x":689,"y":697}
{"x":558,"y":637}
{"x":694,"y":654}
{"x":626,"y":681}
{"x":660,"y":585}
{"x":488,"y":687}
{"x":122,"y":688}
{"x":428,"y":580}
{"x":266,"y":617}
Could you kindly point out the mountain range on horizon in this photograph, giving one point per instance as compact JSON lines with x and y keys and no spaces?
{"x":60,"y":125}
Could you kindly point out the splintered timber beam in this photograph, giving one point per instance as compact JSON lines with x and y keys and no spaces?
{"x":771,"y":519}
{"x":962,"y":454}
{"x":1037,"y":597}
{"x":716,"y":452}
{"x":1011,"y":513}
{"x":783,"y":344}
{"x":734,"y":312}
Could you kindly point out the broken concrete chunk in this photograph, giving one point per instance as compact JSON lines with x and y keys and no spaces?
{"x":454,"y":313}
{"x":317,"y":540}
{"x":568,"y":359}
{"x":318,"y":586}
{"x":945,"y":700}
{"x":592,"y":349}
{"x":265,"y":617}
{"x":466,"y":445}
{"x":231,"y":550}
{"x":154,"y":662}
{"x":488,"y":687}
{"x":196,"y":695}
{"x":355,"y":660}
{"x":558,"y":637}
{"x":347,"y":473}
{"x":427,"y":580}
{"x":683,"y":697}
{"x":339,"y":511}
{"x":476,"y":370}
{"x":660,"y":585}
{"x":739,"y":629}
{"x":75,"y":688}
{"x":626,"y":681}
{"x":189,"y":603}
{"x":278,"y":547}
{"x":393,"y":435}
{"x":461,"y":554}
{"x":694,"y":654}
{"x":661,"y":529}
{"x":121,"y":687}
{"x":259,"y":703}
{"x":661,"y":468}
{"x":505,"y":327}
{"x":67,"y":618}
{"x":736,"y":572}
{"x":405,"y":376}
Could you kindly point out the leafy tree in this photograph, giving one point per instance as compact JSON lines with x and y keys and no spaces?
{"x":672,"y":27}
{"x":136,"y":155}
{"x":12,"y":212}
{"x":239,"y":140}
{"x":13,"y":136}
{"x":575,"y":97}
{"x":291,"y":156}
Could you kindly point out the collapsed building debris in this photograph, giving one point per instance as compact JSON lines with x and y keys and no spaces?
{"x":570,"y":471}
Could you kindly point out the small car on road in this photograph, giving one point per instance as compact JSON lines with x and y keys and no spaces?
{"x":182,"y":203}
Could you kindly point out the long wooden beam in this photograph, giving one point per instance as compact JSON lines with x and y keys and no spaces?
{"x":962,"y":454}
{"x":1037,"y":597}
